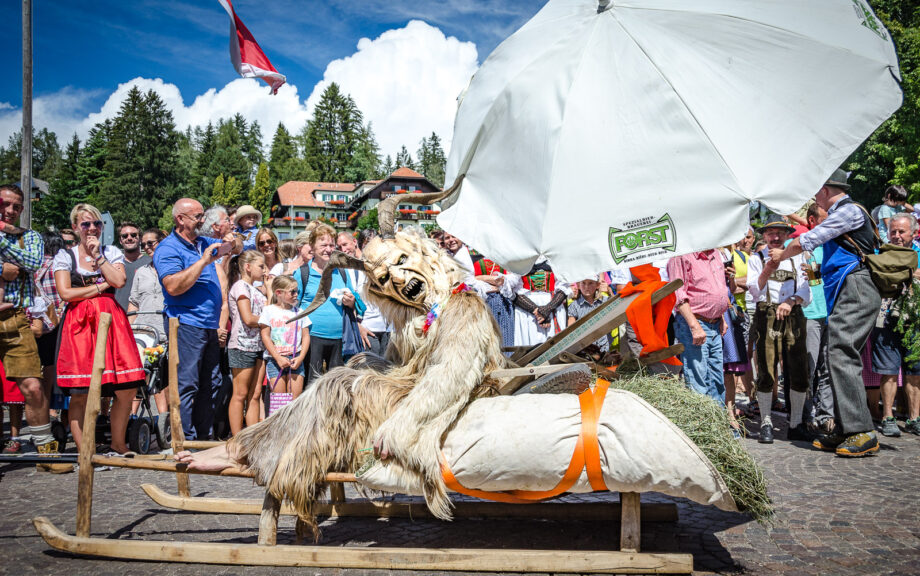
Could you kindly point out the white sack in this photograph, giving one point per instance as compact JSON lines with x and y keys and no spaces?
{"x":526,"y":443}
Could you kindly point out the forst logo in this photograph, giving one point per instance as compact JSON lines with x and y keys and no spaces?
{"x":642,"y":235}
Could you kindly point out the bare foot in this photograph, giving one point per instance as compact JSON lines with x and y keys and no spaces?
{"x":210,"y":460}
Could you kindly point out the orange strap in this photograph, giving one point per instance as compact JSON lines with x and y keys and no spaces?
{"x":650,"y":323}
{"x":585,"y":457}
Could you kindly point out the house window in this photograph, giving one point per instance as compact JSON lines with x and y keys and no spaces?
{"x":327,"y":197}
{"x":341,"y":197}
{"x":413,"y":188}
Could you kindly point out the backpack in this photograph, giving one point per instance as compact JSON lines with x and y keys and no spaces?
{"x":892,"y":268}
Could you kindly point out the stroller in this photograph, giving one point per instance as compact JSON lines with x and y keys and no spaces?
{"x":147,"y":423}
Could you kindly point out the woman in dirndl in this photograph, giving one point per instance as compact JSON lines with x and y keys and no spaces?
{"x":87,"y":276}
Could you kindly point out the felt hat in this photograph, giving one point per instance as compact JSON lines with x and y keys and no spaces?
{"x":776,"y":221}
{"x":245,"y":210}
{"x":838,"y":179}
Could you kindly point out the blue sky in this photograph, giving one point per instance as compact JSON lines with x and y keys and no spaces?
{"x":86,"y":49}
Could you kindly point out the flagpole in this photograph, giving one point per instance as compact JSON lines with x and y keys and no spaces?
{"x":25,"y":179}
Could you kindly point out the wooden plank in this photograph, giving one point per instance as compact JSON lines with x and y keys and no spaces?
{"x":88,"y":440}
{"x":529,"y":370}
{"x":175,"y":419}
{"x":590,"y":511}
{"x":663,"y":354}
{"x":337,"y":492}
{"x":201,"y":444}
{"x":268,"y":520}
{"x":630,"y":522}
{"x":467,"y":560}
{"x":176,"y":467}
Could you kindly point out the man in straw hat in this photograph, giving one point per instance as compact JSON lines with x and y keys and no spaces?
{"x":779,"y":289}
{"x":852,"y":302}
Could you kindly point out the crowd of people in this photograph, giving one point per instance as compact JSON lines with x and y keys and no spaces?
{"x":783,"y":320}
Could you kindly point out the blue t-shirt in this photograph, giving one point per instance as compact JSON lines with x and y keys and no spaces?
{"x":327,"y":319}
{"x":199,"y":305}
{"x":249,"y":237}
{"x":817,"y":308}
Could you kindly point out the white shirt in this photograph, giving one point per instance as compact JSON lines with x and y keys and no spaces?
{"x":779,"y":291}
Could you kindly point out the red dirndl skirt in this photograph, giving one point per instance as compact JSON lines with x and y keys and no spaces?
{"x":123,"y":368}
{"x":10,"y":391}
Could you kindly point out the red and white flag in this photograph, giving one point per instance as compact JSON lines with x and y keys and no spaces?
{"x":247,"y":57}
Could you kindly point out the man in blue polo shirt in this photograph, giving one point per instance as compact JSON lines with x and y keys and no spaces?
{"x":192,"y":293}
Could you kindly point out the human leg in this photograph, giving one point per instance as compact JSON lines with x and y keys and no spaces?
{"x":191,"y":342}
{"x":119,"y":415}
{"x":765,"y":354}
{"x":912,"y":390}
{"x":75,"y":413}
{"x":210,"y":380}
{"x":692,"y":357}
{"x":715,"y":366}
{"x":242,"y":379}
{"x":795,"y":365}
{"x":253,"y":412}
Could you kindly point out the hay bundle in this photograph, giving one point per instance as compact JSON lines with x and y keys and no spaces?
{"x":706,"y":423}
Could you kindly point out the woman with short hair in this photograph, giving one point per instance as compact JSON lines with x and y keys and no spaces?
{"x":87,"y":276}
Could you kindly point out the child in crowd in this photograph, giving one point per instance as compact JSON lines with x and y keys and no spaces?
{"x":247,"y":220}
{"x":245,"y":348}
{"x":286,"y":344}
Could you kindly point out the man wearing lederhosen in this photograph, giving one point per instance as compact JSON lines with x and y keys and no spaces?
{"x":779,"y":289}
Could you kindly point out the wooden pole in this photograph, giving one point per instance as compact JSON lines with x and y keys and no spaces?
{"x":25,"y":175}
{"x":175,"y":418}
{"x":88,"y":441}
{"x":630,"y":522}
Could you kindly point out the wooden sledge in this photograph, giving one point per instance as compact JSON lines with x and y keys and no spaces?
{"x":627,"y":561}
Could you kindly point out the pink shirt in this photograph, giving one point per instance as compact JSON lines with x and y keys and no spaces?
{"x":704,"y":282}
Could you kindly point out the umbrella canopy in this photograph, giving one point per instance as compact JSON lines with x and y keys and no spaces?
{"x":605,"y":136}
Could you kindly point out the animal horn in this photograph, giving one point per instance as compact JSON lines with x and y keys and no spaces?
{"x":386,"y":210}
{"x":336,"y":261}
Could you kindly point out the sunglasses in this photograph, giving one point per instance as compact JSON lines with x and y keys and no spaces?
{"x":267,"y":243}
{"x":87,"y":225}
{"x":70,"y":242}
{"x":197,"y":217}
{"x":129,"y":235}
{"x":149,"y":244}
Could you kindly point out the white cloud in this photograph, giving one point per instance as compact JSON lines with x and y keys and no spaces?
{"x":405,"y":81}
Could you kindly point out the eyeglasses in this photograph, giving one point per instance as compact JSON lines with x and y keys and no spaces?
{"x":129,"y":235}
{"x":267,"y":243}
{"x":69,"y":242}
{"x":149,"y":244}
{"x":87,"y":225}
{"x":197,"y":217}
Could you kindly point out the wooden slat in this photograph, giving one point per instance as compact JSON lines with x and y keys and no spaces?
{"x":589,"y":511}
{"x":177,"y":467}
{"x":88,"y":440}
{"x":201,"y":444}
{"x":529,"y":370}
{"x":467,"y":560}
{"x":630,"y":522}
{"x":175,"y":418}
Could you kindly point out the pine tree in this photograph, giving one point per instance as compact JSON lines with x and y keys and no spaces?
{"x":261,"y":194}
{"x":365,"y":162}
{"x":431,"y":159}
{"x":206,"y":146}
{"x":229,"y":158}
{"x":404,"y":159}
{"x":141,"y":160}
{"x":91,"y":171}
{"x":283,"y":149}
{"x":227,"y":191}
{"x":330,"y":137}
{"x":387,"y":168}
{"x":252,"y":145}
{"x":217,"y":191}
{"x":54,"y":208}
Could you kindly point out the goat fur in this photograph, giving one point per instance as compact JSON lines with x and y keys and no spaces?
{"x":407,"y":407}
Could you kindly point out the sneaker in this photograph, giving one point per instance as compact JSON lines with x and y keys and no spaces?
{"x":766,"y":434}
{"x":800,"y":432}
{"x":828,"y":442}
{"x":51,"y":449}
{"x":12,"y":447}
{"x":912,"y":426}
{"x":861,"y":444}
{"x":890,"y":427}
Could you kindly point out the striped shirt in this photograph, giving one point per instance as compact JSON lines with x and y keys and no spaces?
{"x":29,"y":257}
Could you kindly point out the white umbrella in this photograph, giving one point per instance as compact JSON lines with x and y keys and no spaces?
{"x":606,"y":136}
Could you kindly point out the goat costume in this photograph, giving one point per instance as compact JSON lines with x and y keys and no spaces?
{"x":443,"y":344}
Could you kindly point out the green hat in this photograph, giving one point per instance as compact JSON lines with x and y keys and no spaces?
{"x":776,"y":221}
{"x":838,"y":180}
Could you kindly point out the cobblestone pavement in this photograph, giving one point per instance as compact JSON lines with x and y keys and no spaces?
{"x":835,"y":516}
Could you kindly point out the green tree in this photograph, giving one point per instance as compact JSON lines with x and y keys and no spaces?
{"x":91,"y":172}
{"x":283,"y":149}
{"x":432,"y":160}
{"x":229,"y":158}
{"x":54,"y":208}
{"x":387,"y":168}
{"x":206,"y":146}
{"x":330,"y":137}
{"x":369,"y":220}
{"x":892,"y":154}
{"x":260,"y":196}
{"x":227,"y":192}
{"x":404,"y":159}
{"x":141,"y":160}
{"x":365,"y":162}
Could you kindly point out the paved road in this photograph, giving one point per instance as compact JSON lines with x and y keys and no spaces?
{"x":835,"y":516}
